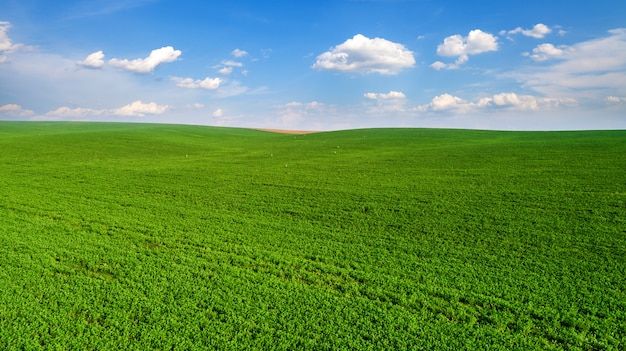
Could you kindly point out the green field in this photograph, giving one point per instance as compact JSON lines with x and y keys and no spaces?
{"x":141,"y":236}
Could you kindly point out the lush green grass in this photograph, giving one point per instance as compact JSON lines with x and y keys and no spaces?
{"x":137,"y":236}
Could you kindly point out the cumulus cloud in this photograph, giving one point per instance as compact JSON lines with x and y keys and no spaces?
{"x":15,"y":110}
{"x":446,"y":102}
{"x":148,"y":64}
{"x":6,"y":44}
{"x":239,"y":53}
{"x":586,"y":69}
{"x":140,"y":109}
{"x":539,"y":31}
{"x":476,"y":42}
{"x":364,"y":55}
{"x":189,"y":83}
{"x":545,"y":52}
{"x":95,"y":60}
{"x":506,"y":101}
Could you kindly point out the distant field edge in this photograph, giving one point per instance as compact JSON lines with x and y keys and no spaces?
{"x":283,"y":131}
{"x":287,"y":131}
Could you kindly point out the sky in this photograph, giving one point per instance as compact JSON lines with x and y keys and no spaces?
{"x":317,"y":65}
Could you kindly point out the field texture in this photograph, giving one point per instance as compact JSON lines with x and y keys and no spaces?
{"x":139,"y":237}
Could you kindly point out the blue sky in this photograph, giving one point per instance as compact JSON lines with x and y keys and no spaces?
{"x":317,"y":65}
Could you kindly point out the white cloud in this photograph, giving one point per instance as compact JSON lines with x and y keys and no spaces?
{"x":148,"y":64}
{"x":207,"y":83}
{"x":218,"y":113}
{"x":232,"y":88}
{"x":75,"y":112}
{"x":239,"y":53}
{"x":476,"y":42}
{"x":590,"y":69}
{"x":438,"y":65}
{"x":526,"y":102}
{"x":446,"y":102}
{"x":226,"y":71}
{"x":382,"y":96}
{"x":539,"y":31}
{"x":266,"y":53}
{"x":15,"y":110}
{"x":608,"y":99}
{"x":95,"y":60}
{"x":6,"y":44}
{"x":138,"y":108}
{"x":364,"y":55}
{"x":195,"y":106}
{"x":506,"y":101}
{"x":546,"y":51}
{"x":394,"y":101}
{"x":231,"y":63}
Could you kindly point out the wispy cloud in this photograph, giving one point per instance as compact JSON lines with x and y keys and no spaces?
{"x":364,"y":55}
{"x":231,"y":63}
{"x":539,"y":31}
{"x":387,"y":102}
{"x":303,"y":113}
{"x":136,"y":109}
{"x":392,"y":95}
{"x":225,"y":71}
{"x":86,"y":9}
{"x":239,"y":53}
{"x":589,"y":69}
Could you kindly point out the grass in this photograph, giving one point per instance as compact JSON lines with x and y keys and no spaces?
{"x":140,"y":236}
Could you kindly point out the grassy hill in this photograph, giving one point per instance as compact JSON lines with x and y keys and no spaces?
{"x":140,"y":236}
